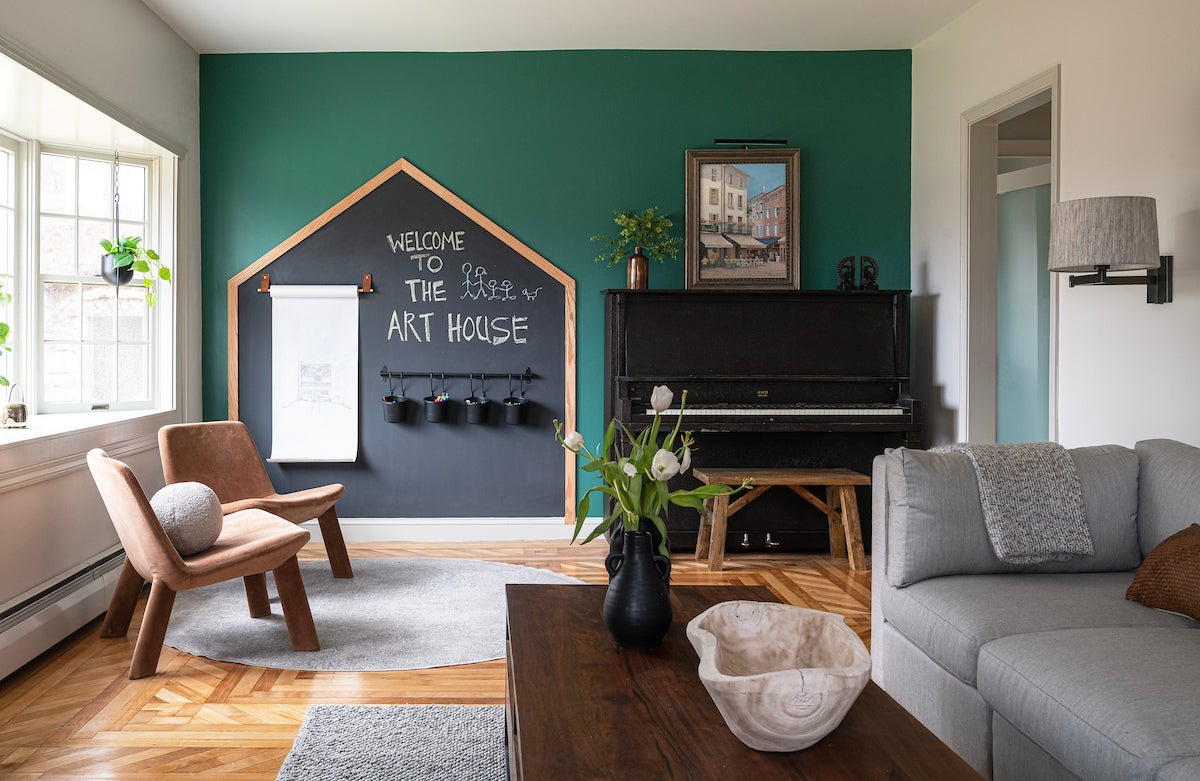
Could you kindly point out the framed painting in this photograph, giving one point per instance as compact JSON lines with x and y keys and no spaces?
{"x":743,"y":219}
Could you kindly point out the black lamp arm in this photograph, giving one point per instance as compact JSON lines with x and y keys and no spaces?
{"x":1159,"y":281}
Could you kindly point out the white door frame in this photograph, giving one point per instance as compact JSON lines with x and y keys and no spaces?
{"x":977,"y":421}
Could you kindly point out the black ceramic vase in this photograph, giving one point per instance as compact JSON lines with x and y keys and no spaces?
{"x":637,"y":606}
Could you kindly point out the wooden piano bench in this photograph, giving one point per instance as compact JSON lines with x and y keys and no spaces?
{"x":840,"y":507}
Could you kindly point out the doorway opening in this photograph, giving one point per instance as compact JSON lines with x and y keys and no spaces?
{"x":1010,"y":305}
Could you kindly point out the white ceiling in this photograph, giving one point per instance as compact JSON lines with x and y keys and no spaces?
{"x":227,"y":26}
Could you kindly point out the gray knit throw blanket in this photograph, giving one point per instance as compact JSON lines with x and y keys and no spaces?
{"x":1032,"y":501}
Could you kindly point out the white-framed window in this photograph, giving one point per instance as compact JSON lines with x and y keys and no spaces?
{"x":96,"y":340}
{"x":10,"y":159}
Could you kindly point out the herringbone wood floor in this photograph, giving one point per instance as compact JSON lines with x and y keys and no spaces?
{"x":73,"y":713}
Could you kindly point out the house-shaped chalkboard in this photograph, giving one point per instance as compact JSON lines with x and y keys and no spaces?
{"x":454,"y":294}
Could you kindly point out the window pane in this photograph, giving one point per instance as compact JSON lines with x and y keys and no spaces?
{"x":133,"y":192}
{"x":133,"y":371}
{"x":99,"y":303}
{"x":61,"y":373}
{"x":6,"y":178}
{"x":99,"y":372}
{"x":95,"y":188}
{"x":133,"y":229}
{"x":6,"y":242}
{"x":135,"y":314}
{"x":57,"y":250}
{"x":60,"y":310}
{"x":58,"y":184}
{"x":90,"y":234}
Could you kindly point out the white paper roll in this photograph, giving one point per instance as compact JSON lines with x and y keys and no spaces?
{"x":314,"y":382}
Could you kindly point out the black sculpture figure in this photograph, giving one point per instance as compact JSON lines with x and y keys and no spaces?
{"x":870,"y":273}
{"x":845,"y":272}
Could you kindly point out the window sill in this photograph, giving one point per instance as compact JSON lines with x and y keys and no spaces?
{"x":53,"y":444}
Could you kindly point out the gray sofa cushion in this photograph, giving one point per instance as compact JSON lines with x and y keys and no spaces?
{"x":935,"y":522}
{"x":1180,"y":770}
{"x":1168,"y":489}
{"x":950,"y":619}
{"x":1109,"y":704}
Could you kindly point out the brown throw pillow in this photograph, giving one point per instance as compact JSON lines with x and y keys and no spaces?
{"x":1169,"y":578}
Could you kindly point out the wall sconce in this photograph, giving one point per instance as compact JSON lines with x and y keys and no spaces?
{"x":1103,"y":235}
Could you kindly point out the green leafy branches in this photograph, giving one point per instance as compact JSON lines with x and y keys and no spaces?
{"x":637,"y":481}
{"x":129,"y":252}
{"x":648,"y":230}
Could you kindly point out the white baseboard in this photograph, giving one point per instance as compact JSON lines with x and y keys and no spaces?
{"x":31,"y":630}
{"x":455,"y":529}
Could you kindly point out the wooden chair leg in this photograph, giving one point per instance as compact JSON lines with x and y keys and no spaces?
{"x":837,"y":532}
{"x":705,"y":532}
{"x":153,"y":631}
{"x":296,"y":611}
{"x":716,"y":545}
{"x":335,"y":544}
{"x":256,"y":595}
{"x":854,"y":544}
{"x":123,"y":602}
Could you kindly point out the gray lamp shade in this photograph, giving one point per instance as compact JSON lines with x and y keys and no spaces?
{"x":1120,"y":232}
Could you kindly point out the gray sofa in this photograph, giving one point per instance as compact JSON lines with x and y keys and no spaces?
{"x":1044,"y":671}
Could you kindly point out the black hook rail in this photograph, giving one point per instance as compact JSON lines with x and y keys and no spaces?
{"x":526,"y":377}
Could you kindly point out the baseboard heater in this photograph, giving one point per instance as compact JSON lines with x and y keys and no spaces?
{"x":35,"y":624}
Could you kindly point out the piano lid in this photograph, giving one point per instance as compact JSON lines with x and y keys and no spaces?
{"x":731,"y":334}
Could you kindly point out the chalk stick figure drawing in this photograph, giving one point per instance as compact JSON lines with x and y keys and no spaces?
{"x":476,"y":287}
{"x":473,"y":282}
{"x":531,"y":295}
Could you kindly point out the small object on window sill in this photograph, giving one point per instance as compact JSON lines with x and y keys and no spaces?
{"x":99,"y":406}
{"x":14,"y":413}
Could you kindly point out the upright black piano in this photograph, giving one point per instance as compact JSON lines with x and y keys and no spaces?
{"x":774,"y":379}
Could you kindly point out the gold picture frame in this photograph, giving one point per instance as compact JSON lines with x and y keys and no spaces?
{"x":743,"y":219}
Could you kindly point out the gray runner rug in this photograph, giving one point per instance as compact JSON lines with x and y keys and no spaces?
{"x":394,"y":614}
{"x":398,"y":743}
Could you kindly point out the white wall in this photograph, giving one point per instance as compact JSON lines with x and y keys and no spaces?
{"x":1130,"y":125}
{"x":50,"y":514}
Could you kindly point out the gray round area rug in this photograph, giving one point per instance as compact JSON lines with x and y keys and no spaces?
{"x":394,"y":614}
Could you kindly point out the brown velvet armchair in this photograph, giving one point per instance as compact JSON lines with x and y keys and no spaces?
{"x":251,"y":543}
{"x":222,"y":455}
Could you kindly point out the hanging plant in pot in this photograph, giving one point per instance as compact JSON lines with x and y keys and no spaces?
{"x":123,"y":258}
{"x":647,"y":235}
{"x":637,"y":606}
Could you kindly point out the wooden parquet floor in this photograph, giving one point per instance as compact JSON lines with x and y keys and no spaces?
{"x":73,"y":714}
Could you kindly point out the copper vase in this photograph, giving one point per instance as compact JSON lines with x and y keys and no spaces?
{"x":639,"y":270}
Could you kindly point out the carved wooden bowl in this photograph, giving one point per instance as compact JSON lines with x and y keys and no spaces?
{"x":783,"y":677}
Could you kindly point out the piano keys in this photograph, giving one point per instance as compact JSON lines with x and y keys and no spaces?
{"x":774,"y":379}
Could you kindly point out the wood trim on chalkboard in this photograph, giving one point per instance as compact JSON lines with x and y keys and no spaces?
{"x":404,"y":166}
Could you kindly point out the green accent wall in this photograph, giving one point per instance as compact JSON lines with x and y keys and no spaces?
{"x":548,"y":145}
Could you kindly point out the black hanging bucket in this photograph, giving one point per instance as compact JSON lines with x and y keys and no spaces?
{"x":477,"y":406}
{"x":436,"y":404}
{"x":394,"y":405}
{"x":514,"y":406}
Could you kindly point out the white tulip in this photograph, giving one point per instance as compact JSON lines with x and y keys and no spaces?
{"x":665,"y":465}
{"x":629,"y":469}
{"x":686,"y":463}
{"x":661,"y":398}
{"x":573,"y":441}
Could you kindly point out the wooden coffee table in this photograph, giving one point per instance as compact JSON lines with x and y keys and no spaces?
{"x":578,"y":707}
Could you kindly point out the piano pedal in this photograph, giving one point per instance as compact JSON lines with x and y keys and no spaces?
{"x":773,"y":543}
{"x":745,"y":541}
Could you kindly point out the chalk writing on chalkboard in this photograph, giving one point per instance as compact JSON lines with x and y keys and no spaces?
{"x":478,"y":284}
{"x":531,"y":295}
